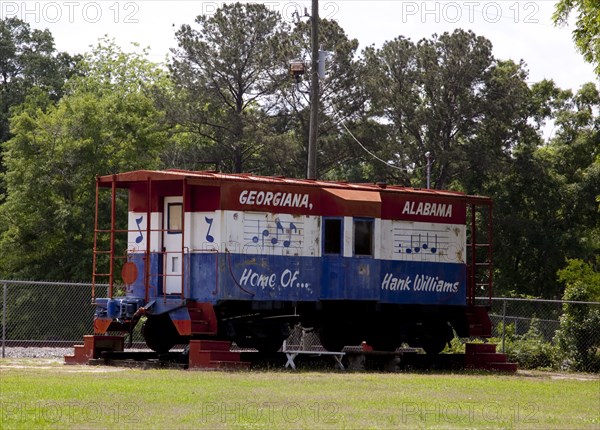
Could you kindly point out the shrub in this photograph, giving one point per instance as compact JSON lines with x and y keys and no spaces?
{"x":579,"y":334}
{"x":531,"y":350}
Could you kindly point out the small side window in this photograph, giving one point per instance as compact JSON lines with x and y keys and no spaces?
{"x":363,"y":237}
{"x":332,"y":236}
{"x":174,"y":218}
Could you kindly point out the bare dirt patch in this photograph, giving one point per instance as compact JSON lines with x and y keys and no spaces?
{"x":559,"y":375}
{"x":55,"y":364}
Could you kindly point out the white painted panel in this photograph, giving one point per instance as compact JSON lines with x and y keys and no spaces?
{"x":205,"y":231}
{"x":386,"y":240}
{"x":136,"y":237}
{"x":377,"y":238}
{"x":137,"y":226}
{"x":265,"y":233}
{"x":348,"y":236}
{"x":418,"y":241}
{"x":312,"y":245}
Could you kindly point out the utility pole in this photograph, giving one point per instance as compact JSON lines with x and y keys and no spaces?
{"x":428,"y":157}
{"x":314,"y":93}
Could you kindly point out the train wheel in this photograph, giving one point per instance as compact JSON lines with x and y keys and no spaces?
{"x":269,"y":338}
{"x":385,"y":344}
{"x":436,"y":338}
{"x":159,"y":333}
{"x":434,"y":346}
{"x":332,"y":340}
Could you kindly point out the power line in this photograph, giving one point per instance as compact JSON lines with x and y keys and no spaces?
{"x":387,"y":163}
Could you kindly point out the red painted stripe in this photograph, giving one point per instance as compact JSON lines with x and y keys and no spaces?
{"x":270,"y":198}
{"x":423,"y":208}
{"x":213,"y":191}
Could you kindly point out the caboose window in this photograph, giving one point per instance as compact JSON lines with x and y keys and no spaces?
{"x":363,"y":237}
{"x":174,"y":217}
{"x":332,"y":236}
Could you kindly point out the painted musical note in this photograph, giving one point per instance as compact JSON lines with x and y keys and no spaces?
{"x":433,"y":248}
{"x":409,"y":250}
{"x":278,"y":227}
{"x":417,"y":248}
{"x":274,"y":233}
{"x":255,"y":238}
{"x":265,"y":233}
{"x":288,"y":242}
{"x":138,"y":221}
{"x":210,"y":238}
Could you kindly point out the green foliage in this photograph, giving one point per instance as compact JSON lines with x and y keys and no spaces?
{"x":450,"y":97}
{"x":225,"y":74}
{"x":529,"y":216}
{"x":28,"y":60}
{"x":545,"y":208}
{"x":29,"y":64}
{"x":341,"y":106}
{"x":457,"y":346}
{"x":578,"y":336}
{"x":530,"y":350}
{"x":578,"y":272}
{"x":587,"y":26}
{"x":107,"y":123}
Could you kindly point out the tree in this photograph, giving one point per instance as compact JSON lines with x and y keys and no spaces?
{"x":106,"y":123}
{"x":587,"y":30}
{"x":575,"y":153}
{"x":341,"y":100}
{"x":577,"y":335}
{"x":545,"y":197}
{"x":28,"y":62}
{"x":28,"y":59}
{"x":225,"y":74}
{"x":531,"y":238}
{"x":431,"y":94}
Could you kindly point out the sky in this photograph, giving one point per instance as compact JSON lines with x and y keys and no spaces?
{"x":518,"y":29}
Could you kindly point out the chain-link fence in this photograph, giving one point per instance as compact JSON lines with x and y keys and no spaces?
{"x":547,"y":333}
{"x":46,"y":313}
{"x":45,"y":319}
{"x":535,"y":333}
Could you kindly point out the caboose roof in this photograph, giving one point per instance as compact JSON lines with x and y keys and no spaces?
{"x":340,"y":188}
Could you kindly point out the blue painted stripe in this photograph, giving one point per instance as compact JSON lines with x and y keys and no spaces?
{"x":224,"y":276}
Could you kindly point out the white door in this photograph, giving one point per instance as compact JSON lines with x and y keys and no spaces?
{"x":172,"y":242}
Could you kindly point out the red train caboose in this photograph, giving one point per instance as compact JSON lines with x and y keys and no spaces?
{"x":243,"y":257}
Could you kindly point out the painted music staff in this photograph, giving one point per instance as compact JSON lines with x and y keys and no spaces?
{"x":266,"y":230}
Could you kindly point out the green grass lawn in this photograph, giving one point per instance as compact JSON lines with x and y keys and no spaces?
{"x":37,"y":394}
